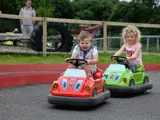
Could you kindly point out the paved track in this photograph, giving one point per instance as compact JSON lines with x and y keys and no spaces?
{"x":30,"y":103}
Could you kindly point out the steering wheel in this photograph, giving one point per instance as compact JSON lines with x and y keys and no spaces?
{"x":76,"y":62}
{"x":120,"y":60}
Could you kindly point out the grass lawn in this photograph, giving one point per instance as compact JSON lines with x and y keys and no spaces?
{"x":60,"y":58}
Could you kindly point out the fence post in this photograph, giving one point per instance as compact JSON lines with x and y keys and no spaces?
{"x":121,"y":42}
{"x":104,"y":36}
{"x":157,"y":44}
{"x":44,"y":36}
{"x":147,"y":45}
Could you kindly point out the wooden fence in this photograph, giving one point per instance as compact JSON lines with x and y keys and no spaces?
{"x":104,"y":23}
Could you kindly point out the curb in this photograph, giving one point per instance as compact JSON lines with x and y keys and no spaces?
{"x":12,"y":80}
{"x":19,"y":75}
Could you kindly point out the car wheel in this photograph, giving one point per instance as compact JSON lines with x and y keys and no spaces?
{"x":94,"y":93}
{"x":146,"y":80}
{"x":131,"y":83}
{"x":64,"y":44}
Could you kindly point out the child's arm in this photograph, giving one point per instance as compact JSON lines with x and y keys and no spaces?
{"x":119,"y":52}
{"x":75,"y":52}
{"x":74,"y":56}
{"x":136,"y":53}
{"x":93,"y":61}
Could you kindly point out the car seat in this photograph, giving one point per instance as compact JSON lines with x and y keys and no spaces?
{"x":140,"y":68}
{"x":98,"y":74}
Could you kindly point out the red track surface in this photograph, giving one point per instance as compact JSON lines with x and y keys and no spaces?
{"x":18,"y":75}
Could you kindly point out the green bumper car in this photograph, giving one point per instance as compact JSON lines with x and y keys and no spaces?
{"x":120,"y":79}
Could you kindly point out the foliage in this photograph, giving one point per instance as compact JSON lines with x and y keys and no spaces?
{"x":44,"y":8}
{"x":93,"y":9}
{"x":63,"y":9}
{"x":136,"y":11}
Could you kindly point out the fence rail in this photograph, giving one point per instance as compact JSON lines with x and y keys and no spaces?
{"x":148,"y":39}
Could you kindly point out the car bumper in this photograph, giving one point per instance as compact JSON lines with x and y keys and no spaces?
{"x":77,"y":101}
{"x":134,"y":89}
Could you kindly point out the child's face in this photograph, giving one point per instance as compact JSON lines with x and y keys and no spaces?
{"x":85,"y":44}
{"x":130,"y":38}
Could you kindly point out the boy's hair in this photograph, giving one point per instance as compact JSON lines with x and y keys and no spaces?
{"x":132,"y":29}
{"x":83,"y":35}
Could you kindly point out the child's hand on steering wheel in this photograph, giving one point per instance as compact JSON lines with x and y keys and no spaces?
{"x":88,"y":62}
{"x":113,"y":58}
{"x":67,"y":59}
{"x":128,"y":58}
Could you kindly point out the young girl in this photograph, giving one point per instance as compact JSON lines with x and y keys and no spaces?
{"x":85,"y":50}
{"x":131,"y":36}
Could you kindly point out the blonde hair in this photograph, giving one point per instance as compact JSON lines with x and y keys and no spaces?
{"x":132,"y":29}
{"x":83,"y":35}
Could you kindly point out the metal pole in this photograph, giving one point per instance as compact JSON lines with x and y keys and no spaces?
{"x":104,"y":37}
{"x":44,"y":36}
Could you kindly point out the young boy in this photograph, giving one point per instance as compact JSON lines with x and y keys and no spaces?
{"x":85,"y":50}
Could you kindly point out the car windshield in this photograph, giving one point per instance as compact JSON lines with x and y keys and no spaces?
{"x":75,"y":73}
{"x":116,"y":67}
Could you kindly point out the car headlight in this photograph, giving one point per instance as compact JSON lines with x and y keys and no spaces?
{"x":87,"y":88}
{"x":55,"y":86}
{"x":125,"y":80}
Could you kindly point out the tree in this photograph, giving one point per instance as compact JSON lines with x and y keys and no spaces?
{"x":63,"y":9}
{"x":44,"y":8}
{"x":99,"y":9}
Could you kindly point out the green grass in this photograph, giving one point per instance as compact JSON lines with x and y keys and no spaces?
{"x":60,"y":58}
